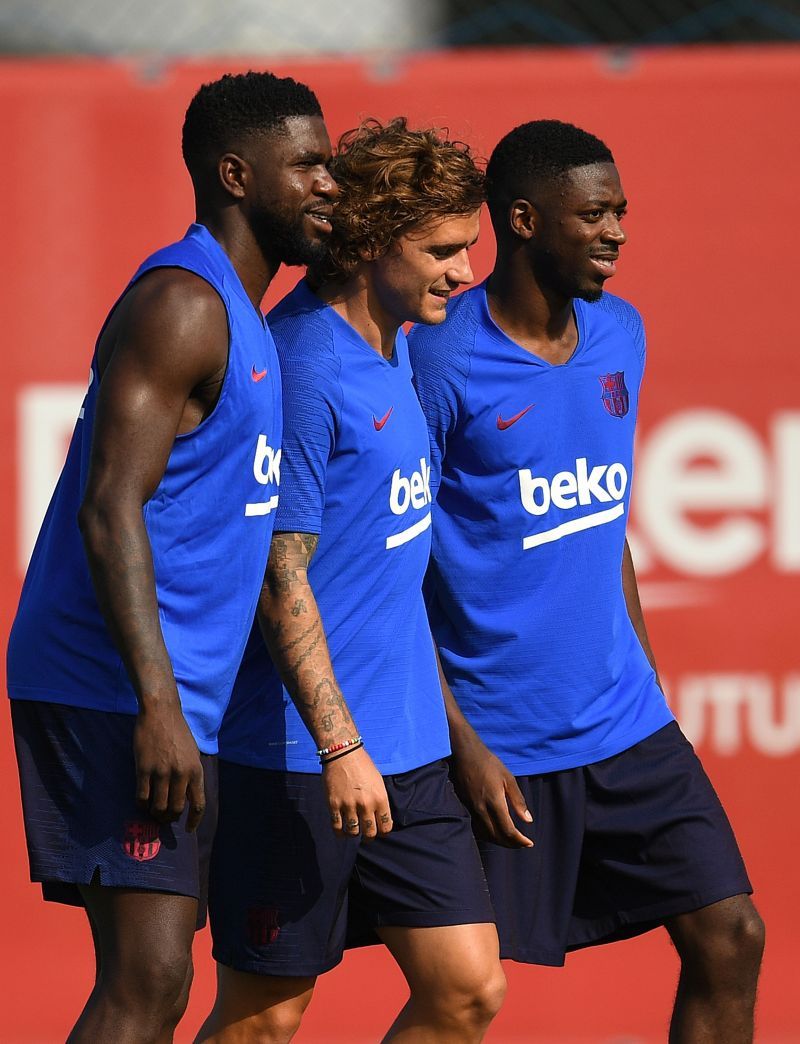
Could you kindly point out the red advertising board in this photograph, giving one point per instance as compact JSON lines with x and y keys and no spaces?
{"x":706,"y":145}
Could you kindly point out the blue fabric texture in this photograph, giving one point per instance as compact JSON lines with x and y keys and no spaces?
{"x":355,"y":470}
{"x":531,"y":476}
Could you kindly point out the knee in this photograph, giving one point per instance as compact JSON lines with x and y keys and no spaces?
{"x":178,"y":1009}
{"x":165,"y":980}
{"x":256,"y":1009}
{"x":473,"y":1003}
{"x":730,"y":941}
{"x":156,"y":986}
{"x":276,"y":1024}
{"x":749,"y":936}
{"x":490,"y":994}
{"x":739,"y":938}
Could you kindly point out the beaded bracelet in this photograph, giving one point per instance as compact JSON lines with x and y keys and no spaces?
{"x":341,"y":754}
{"x":338,"y":746}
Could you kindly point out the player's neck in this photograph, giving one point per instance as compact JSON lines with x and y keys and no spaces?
{"x":540,"y":321}
{"x":254,"y":269}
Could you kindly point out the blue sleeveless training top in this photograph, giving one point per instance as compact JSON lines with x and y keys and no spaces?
{"x":209,"y":523}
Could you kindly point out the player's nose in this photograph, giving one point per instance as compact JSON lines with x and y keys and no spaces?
{"x":324,"y":184}
{"x":613,"y":232}
{"x":461,"y":270}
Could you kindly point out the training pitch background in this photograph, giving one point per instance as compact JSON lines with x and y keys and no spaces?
{"x":706,"y":141}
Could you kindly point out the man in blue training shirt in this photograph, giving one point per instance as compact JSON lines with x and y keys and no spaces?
{"x":344,"y":618}
{"x":144,"y":580}
{"x":530,"y":389}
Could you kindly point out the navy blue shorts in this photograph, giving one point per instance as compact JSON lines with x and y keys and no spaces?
{"x":287,"y":894}
{"x":620,"y":847}
{"x":78,"y":783}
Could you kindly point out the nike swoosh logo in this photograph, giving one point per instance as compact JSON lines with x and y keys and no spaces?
{"x":380,"y":423}
{"x":503,"y":424}
{"x":258,"y":375}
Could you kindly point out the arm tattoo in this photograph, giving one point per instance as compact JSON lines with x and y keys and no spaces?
{"x":296,"y":640}
{"x":309,"y":542}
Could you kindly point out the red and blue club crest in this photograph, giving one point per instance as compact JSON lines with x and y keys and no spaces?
{"x":263,"y":925}
{"x":615,"y":395}
{"x":140,"y":840}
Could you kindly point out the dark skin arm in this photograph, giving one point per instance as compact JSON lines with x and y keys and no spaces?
{"x":489,"y":791}
{"x":630,"y":589}
{"x":161,"y":359}
{"x":295,"y":637}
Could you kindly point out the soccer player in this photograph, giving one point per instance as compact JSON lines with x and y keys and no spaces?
{"x":345,"y":622}
{"x":144,"y":580}
{"x":530,"y":389}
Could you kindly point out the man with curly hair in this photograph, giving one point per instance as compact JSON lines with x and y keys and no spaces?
{"x":344,"y":620}
{"x":143,"y":583}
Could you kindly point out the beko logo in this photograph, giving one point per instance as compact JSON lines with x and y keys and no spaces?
{"x":603,"y":483}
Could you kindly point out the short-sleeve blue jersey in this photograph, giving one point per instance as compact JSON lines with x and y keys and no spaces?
{"x":355,"y":469}
{"x":531,"y":468}
{"x":209,"y":524}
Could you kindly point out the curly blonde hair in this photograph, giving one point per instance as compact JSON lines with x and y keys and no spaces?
{"x":392,"y":180}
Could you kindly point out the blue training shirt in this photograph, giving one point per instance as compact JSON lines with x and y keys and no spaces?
{"x":355,"y":469}
{"x":531,"y":468}
{"x":209,"y":523}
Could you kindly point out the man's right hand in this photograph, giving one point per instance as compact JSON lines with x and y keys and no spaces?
{"x":489,"y":791}
{"x":169,"y":772}
{"x":357,"y":796}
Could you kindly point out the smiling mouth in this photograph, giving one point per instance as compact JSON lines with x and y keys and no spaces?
{"x":607,"y":263}
{"x":321,"y":217}
{"x":444,"y":295}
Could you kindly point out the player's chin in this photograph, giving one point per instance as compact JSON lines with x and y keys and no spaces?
{"x":592,"y":291}
{"x":434,"y":310}
{"x":308,"y":251}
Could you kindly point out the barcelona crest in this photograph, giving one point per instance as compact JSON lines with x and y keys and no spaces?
{"x":615,"y":395}
{"x":263,"y":926}
{"x":141,"y":841}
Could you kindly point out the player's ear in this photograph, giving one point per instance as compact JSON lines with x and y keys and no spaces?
{"x":522,"y":218}
{"x":234,"y":173}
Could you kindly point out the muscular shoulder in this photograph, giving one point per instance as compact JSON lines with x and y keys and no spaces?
{"x":623,"y":313}
{"x":170,"y":316}
{"x":175,"y":295}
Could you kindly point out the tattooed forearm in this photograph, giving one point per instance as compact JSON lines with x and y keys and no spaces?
{"x":306,"y":651}
{"x":289,"y":557}
{"x":334,"y":698}
{"x":328,"y":690}
{"x":294,"y":634}
{"x":309,"y":542}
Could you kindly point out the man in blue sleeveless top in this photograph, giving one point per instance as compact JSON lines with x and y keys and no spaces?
{"x":144,"y":580}
{"x":530,"y":389}
{"x":345,"y":622}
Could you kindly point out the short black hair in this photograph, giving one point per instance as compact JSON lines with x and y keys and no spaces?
{"x":534,"y":153}
{"x":226,"y":111}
